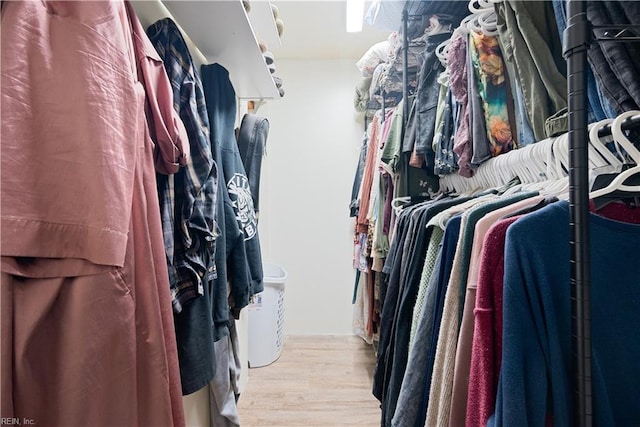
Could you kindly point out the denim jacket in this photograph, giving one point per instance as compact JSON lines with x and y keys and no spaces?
{"x":252,"y":140}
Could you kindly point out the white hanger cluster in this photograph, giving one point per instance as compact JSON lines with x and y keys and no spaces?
{"x":482,"y":19}
{"x":632,"y":158}
{"x":545,"y":165}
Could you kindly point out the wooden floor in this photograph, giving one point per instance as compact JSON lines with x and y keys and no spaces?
{"x":317,"y":381}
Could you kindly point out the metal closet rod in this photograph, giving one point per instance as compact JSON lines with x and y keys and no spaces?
{"x":630,"y":123}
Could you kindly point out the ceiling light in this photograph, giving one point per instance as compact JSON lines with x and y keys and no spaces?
{"x":355,"y":13}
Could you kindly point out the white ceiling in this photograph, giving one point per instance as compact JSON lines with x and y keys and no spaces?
{"x":315,"y":29}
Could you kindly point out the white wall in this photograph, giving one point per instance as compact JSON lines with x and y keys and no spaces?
{"x":312,"y":153}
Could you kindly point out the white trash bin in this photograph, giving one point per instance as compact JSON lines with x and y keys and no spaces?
{"x":266,"y":318}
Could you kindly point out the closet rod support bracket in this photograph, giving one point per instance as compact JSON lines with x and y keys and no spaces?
{"x":616,"y":33}
{"x":577,"y":35}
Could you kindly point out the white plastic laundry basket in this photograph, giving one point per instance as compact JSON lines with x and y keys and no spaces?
{"x":266,"y":318}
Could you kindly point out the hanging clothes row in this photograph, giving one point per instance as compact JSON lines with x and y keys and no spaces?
{"x":496,"y":112}
{"x":476,"y":322}
{"x":496,"y":60}
{"x":87,"y":327}
{"x":210,"y":224}
{"x":142,"y":247}
{"x":508,"y":55}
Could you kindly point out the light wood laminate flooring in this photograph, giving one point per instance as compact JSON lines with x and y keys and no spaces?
{"x":317,"y":381}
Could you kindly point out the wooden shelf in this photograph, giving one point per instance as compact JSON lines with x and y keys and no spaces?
{"x":219,"y":32}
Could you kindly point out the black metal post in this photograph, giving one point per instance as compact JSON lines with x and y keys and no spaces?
{"x":405,"y":92}
{"x":577,"y":38}
{"x":405,"y":71}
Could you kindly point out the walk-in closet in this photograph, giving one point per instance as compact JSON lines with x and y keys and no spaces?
{"x":287,"y":213}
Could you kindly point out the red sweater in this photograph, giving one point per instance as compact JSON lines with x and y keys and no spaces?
{"x":486,"y":353}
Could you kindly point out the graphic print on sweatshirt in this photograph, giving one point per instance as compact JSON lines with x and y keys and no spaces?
{"x":240,"y":195}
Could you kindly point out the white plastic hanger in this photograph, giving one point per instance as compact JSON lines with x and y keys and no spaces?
{"x":540,"y":165}
{"x":442,"y":50}
{"x":500,"y":173}
{"x":397,"y":204}
{"x":485,"y":176}
{"x":477,"y":6}
{"x":561,"y":154}
{"x":558,"y":184}
{"x":548,"y":180}
{"x":535,"y":166}
{"x":462,"y":28}
{"x":521,"y":161}
{"x":510,"y":168}
{"x":554,"y":170}
{"x":620,"y":138}
{"x":602,"y":161}
{"x":473,"y":25}
{"x":540,"y":152}
{"x":599,"y":145}
{"x":488,"y":21}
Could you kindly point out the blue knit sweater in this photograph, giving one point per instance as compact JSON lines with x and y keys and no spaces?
{"x":535,"y":380}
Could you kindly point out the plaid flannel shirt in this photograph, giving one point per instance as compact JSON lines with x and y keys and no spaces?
{"x":187,"y":198}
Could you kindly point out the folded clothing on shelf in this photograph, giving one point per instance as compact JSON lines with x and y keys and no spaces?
{"x":280,"y":26}
{"x":263,"y":45}
{"x":268,"y":57}
{"x":278,"y":81}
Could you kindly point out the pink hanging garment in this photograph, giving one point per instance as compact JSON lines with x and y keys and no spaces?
{"x":86,"y":325}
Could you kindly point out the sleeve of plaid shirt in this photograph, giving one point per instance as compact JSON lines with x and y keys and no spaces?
{"x":172,"y":143}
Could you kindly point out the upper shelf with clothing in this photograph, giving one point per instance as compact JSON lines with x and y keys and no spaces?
{"x":223,"y":32}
